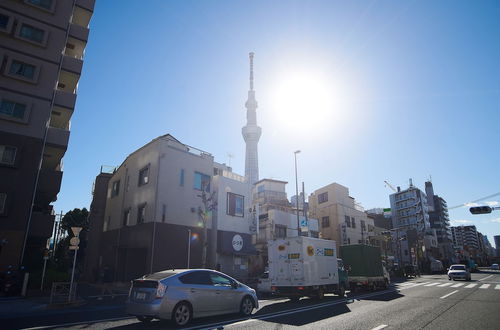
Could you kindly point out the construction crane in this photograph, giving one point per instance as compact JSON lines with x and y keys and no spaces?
{"x":390,"y":186}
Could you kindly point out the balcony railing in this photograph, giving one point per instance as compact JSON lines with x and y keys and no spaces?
{"x":65,"y":99}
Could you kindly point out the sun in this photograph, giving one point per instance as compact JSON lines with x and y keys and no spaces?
{"x":303,"y":100}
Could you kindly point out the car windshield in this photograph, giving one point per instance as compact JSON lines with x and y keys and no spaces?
{"x":459,"y":267}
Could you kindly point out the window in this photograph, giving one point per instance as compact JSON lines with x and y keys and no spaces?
{"x":32,"y":33}
{"x":141,"y":213}
{"x":44,"y":4}
{"x":7,"y":155}
{"x":323,"y":197}
{"x":235,"y":205}
{"x":201,"y":181}
{"x":348,"y":240}
{"x":363,"y":225}
{"x":144,"y":176}
{"x":314,"y":234}
{"x":115,"y":189}
{"x":219,"y":280}
{"x":126,"y":217}
{"x":260,"y":188}
{"x":196,"y":277}
{"x":21,"y":70}
{"x":325,"y":222}
{"x":13,"y":109}
{"x":347,"y":221}
{"x":181,"y":179}
{"x":3,"y":198}
{"x":353,"y":222}
{"x":4,"y":22}
{"x":279,"y":231}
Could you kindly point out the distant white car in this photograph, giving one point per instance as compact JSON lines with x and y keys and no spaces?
{"x":458,"y":272}
{"x":495,"y":267}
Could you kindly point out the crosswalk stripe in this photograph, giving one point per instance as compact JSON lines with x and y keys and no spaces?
{"x":497,"y":287}
{"x":470,"y":286}
{"x":432,"y":284}
{"x":484,"y":286}
{"x":457,"y":285}
{"x":445,"y":284}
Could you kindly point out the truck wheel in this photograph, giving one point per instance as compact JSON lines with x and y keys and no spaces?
{"x":341,"y":291}
{"x":321,"y":294}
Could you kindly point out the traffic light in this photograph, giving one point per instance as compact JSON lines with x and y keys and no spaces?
{"x":480,"y":209}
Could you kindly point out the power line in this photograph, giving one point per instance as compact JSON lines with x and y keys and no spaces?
{"x":477,"y":200}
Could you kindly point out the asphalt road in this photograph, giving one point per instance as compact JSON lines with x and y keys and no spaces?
{"x":430,"y":302}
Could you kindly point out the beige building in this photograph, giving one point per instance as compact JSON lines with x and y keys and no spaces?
{"x":340,"y":219}
{"x":42,"y":44}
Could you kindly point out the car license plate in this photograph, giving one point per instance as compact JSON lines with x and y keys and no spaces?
{"x":140,"y":295}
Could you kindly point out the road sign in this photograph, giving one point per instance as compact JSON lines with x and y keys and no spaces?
{"x":76,"y":230}
{"x":74,"y":241}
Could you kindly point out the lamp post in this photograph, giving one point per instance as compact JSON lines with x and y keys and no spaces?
{"x":189,"y":247}
{"x":297,"y":193}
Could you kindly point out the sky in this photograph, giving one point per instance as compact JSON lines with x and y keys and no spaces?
{"x":367,"y":90}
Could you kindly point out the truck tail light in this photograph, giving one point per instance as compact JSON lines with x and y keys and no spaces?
{"x":273,"y":288}
{"x":160,"y":290}
{"x":300,"y":288}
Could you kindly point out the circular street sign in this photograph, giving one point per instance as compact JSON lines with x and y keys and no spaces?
{"x":74,"y":241}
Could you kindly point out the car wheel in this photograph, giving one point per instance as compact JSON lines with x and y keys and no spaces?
{"x":145,"y":319}
{"x":246,"y":306}
{"x":449,"y":278}
{"x":182,"y":314}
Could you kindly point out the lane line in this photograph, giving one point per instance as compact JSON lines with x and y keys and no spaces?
{"x":497,"y":287}
{"x":432,"y":284}
{"x":414,"y":285}
{"x":380,"y":327}
{"x":470,"y":286}
{"x":485,"y":278}
{"x":457,"y":285}
{"x":484,"y":286}
{"x":83,"y":322}
{"x":449,"y":294}
{"x":445,"y":284}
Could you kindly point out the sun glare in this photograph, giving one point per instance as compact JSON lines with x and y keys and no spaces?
{"x":303,"y":100}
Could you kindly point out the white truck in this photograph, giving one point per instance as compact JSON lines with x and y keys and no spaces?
{"x":304,"y":266}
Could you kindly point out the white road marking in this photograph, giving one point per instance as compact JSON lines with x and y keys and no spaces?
{"x":484,"y":286}
{"x":84,"y":322}
{"x":449,"y":294}
{"x":457,"y":285}
{"x":445,"y":284}
{"x":497,"y":287}
{"x":380,"y":327}
{"x":470,"y":286}
{"x":432,"y":284}
{"x":485,"y":278}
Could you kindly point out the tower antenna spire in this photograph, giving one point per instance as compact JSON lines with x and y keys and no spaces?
{"x":250,"y":55}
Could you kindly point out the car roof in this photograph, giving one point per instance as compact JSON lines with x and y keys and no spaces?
{"x":172,"y":272}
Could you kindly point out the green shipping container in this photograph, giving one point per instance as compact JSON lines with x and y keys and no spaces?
{"x":364,"y":260}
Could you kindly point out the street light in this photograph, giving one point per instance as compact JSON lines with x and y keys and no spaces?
{"x":297,"y":193}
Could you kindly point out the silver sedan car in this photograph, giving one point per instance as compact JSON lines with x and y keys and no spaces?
{"x":183,"y":294}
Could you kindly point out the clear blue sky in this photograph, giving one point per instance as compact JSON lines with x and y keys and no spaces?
{"x":411,"y":89}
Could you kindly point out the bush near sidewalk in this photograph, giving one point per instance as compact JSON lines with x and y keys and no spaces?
{"x":51,"y":275}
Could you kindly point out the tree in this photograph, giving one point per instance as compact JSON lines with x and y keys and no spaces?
{"x":75,"y":218}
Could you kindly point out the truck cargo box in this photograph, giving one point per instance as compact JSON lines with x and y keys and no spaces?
{"x":363,"y":260}
{"x":302,"y":261}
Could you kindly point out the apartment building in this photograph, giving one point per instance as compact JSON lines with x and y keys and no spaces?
{"x":155,"y":214}
{"x":440,"y":222}
{"x":340,"y":218}
{"x":42,"y":44}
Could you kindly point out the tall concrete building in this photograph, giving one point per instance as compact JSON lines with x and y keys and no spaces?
{"x":340,"y":218}
{"x":42,"y":44}
{"x":440,"y":221}
{"x":251,"y":133}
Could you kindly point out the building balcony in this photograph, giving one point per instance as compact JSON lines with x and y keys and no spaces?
{"x":49,"y":184}
{"x":65,"y":99}
{"x":79,"y":32}
{"x":87,"y":4}
{"x":41,"y":224}
{"x":58,"y":137}
{"x":72,"y":64}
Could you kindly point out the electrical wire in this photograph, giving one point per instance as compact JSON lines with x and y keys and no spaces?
{"x":475,"y":201}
